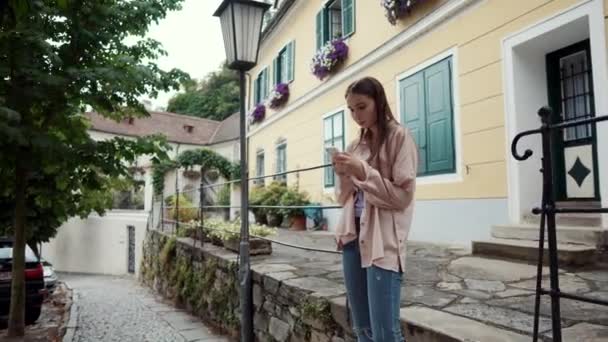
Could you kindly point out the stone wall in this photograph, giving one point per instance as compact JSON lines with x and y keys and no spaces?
{"x":203,"y":280}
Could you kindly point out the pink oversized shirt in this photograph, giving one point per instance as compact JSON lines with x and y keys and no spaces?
{"x":389,"y":189}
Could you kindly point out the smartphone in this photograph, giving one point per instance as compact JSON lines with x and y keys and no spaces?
{"x":332,"y":150}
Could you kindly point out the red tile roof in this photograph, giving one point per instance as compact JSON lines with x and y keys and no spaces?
{"x":177,"y":128}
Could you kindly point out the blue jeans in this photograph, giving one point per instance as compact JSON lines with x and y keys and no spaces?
{"x":374,"y":298}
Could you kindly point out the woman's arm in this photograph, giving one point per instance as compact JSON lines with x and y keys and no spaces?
{"x":398,"y":194}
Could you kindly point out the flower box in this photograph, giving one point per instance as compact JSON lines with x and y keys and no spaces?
{"x":256,"y":246}
{"x":279,"y":96}
{"x":396,"y":9}
{"x":258,"y":113}
{"x":329,"y":57}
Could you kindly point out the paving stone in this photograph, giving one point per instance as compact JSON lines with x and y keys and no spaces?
{"x":594,"y":275}
{"x":499,"y":316}
{"x":422,"y":270}
{"x":450,"y":327}
{"x":567,"y":283}
{"x":474,"y":294}
{"x":197,"y":334}
{"x":425,"y":295}
{"x":485,"y":285}
{"x":467,"y":300}
{"x":449,"y":286}
{"x":570,"y":309}
{"x":512,"y":293}
{"x":491,"y":269}
{"x":583,"y":332}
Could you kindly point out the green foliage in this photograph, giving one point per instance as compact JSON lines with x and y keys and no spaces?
{"x":256,"y":197}
{"x":231,"y":230}
{"x":223,"y":196}
{"x":205,"y":158}
{"x":187,"y":211}
{"x":56,"y":58}
{"x":292,"y":197}
{"x":216,"y":97}
{"x":168,"y":253}
{"x":159,"y":170}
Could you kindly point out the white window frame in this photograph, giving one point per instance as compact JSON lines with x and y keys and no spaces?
{"x":344,"y":109}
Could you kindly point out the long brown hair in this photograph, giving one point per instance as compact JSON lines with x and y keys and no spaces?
{"x":372,"y":88}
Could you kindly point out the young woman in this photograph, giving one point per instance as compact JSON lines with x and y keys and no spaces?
{"x":377,"y":180}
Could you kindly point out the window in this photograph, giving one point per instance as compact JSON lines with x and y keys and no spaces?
{"x":281,"y":161}
{"x":427,"y":110}
{"x":260,"y":87}
{"x":259,"y":167}
{"x":333,"y":135}
{"x":335,"y":20}
{"x":283,"y":65}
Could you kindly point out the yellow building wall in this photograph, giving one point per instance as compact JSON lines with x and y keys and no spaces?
{"x":477,"y":36}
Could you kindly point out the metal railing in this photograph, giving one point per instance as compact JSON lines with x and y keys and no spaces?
{"x":201,"y":208}
{"x":548,"y":211}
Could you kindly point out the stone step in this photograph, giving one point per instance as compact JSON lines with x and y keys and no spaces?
{"x":428,"y":325}
{"x":567,"y":254}
{"x":591,"y":236}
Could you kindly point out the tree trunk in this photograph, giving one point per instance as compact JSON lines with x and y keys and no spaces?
{"x":16,"y":321}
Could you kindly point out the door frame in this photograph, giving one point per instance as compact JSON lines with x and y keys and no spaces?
{"x":592,"y":11}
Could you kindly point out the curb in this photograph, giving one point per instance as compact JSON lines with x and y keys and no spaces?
{"x":72,"y":324}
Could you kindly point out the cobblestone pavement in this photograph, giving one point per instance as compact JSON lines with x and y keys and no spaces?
{"x":119,"y":309}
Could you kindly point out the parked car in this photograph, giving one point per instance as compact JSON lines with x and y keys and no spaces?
{"x":50,"y":277}
{"x":35,"y":291}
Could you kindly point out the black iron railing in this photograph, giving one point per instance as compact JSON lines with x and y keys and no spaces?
{"x":548,"y":211}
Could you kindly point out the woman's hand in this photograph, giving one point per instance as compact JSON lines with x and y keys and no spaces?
{"x":347,"y":165}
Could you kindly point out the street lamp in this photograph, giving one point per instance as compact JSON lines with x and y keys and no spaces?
{"x":241,"y":22}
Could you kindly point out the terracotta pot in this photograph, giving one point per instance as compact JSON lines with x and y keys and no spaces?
{"x":298,"y":222}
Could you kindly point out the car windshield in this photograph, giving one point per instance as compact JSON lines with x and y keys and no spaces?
{"x":6,"y":252}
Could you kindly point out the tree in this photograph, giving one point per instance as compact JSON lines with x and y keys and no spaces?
{"x":58,"y":57}
{"x":216,"y":98}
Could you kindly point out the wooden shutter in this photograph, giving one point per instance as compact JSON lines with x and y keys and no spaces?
{"x":439,"y":123}
{"x":291,"y":53}
{"x":348,"y":17}
{"x":413,"y":114}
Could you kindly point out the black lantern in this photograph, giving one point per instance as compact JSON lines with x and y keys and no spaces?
{"x":242,"y":29}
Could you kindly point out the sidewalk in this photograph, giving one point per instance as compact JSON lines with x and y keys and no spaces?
{"x":449,"y":291}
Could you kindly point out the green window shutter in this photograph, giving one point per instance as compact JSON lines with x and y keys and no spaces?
{"x":256,"y":91}
{"x":276,"y":71}
{"x":265,"y":84}
{"x":413,"y":114}
{"x":439,"y":122}
{"x":348,"y":17}
{"x":291,"y":53}
{"x":320,"y":29}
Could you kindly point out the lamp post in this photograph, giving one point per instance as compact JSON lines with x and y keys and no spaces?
{"x":241,"y":22}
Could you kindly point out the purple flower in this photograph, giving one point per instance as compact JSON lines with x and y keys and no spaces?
{"x":258,"y":113}
{"x":328,"y":57}
{"x":282,"y":88}
{"x":279,"y":95}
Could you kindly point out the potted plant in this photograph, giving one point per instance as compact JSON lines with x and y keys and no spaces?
{"x":296,"y":217}
{"x":273,"y":198}
{"x":228,"y":232}
{"x":279,"y":96}
{"x":256,"y":197}
{"x":329,"y":57}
